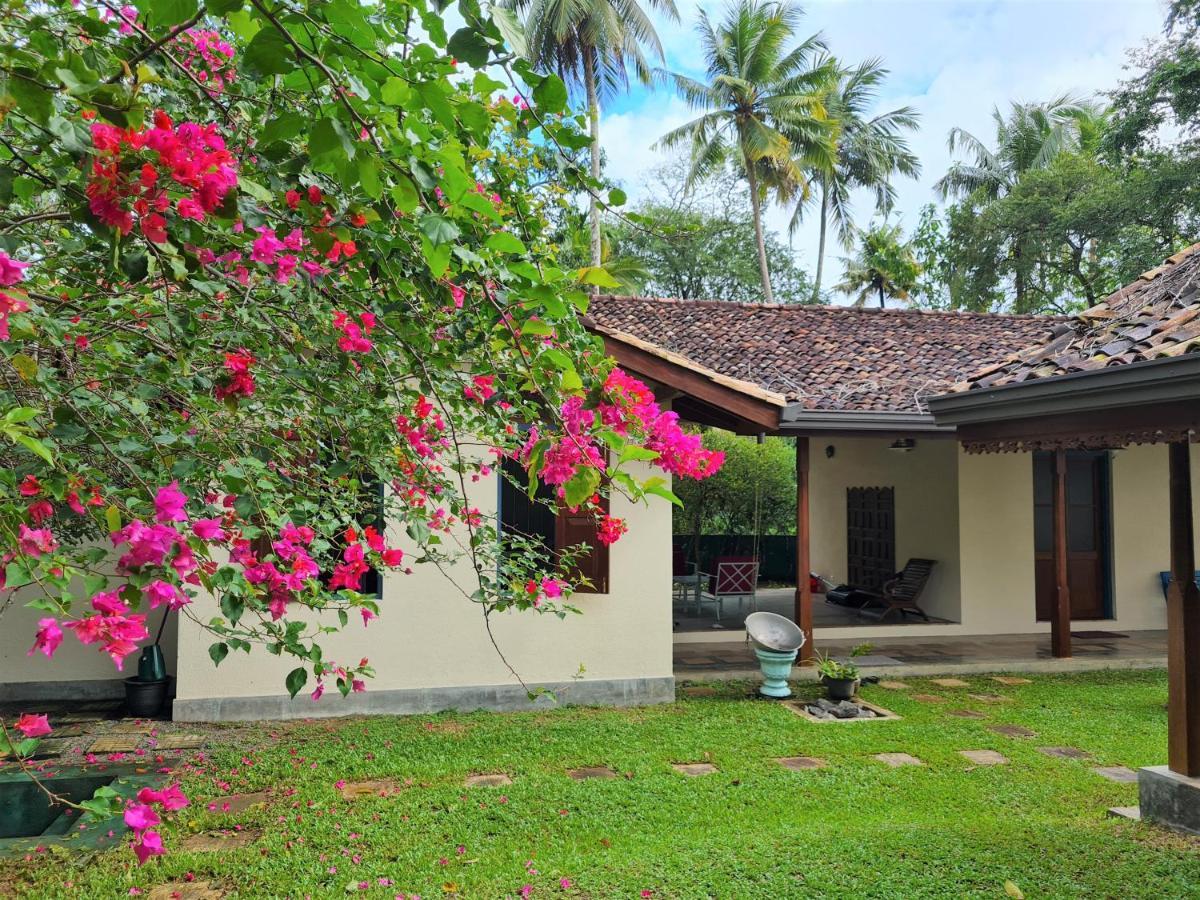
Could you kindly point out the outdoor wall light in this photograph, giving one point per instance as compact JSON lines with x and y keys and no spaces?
{"x":904,"y":445}
{"x":829,"y":451}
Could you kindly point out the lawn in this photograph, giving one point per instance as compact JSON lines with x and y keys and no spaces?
{"x":855,"y":828}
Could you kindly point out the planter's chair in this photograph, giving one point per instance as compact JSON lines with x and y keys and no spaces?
{"x":901,"y":593}
{"x":736,"y":579}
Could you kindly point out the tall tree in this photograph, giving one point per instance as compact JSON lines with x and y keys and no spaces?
{"x":593,"y":44}
{"x":871,"y":151}
{"x":762,"y":108}
{"x":883,"y":265}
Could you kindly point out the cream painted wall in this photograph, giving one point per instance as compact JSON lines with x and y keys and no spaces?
{"x":926,"y":498}
{"x":429,"y":635}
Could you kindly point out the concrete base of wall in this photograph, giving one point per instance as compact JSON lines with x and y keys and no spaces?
{"x":34,"y":691}
{"x":1169,"y":799}
{"x":495,"y":697}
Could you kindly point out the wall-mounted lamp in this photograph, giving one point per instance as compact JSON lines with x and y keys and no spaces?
{"x":829,"y":451}
{"x":904,"y":445}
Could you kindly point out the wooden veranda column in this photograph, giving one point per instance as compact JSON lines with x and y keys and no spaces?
{"x":1060,"y":615}
{"x":1183,"y":624}
{"x":803,"y":612}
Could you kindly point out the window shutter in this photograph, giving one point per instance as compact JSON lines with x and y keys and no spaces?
{"x":579,"y":527}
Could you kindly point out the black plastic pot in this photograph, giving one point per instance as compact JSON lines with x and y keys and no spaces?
{"x":144,"y":699}
{"x":840,"y":688}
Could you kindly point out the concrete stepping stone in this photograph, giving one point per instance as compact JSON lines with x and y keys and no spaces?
{"x":928,"y":698}
{"x":586,"y":772}
{"x":990,"y":698}
{"x":1133,"y":813}
{"x":488,"y":779}
{"x":239,"y":803}
{"x":802,"y":763}
{"x":894,"y":685}
{"x":896,"y":760}
{"x":219,"y":841}
{"x":1120,"y":774}
{"x":381,"y":787}
{"x":1064,"y":752}
{"x":694,"y":770}
{"x":186,"y":890}
{"x":949,"y":682}
{"x":966,"y":714}
{"x":116,"y":743}
{"x":1011,"y":680}
{"x":985,"y":757}
{"x":131,"y":726}
{"x":180,"y":742}
{"x":1012,"y":730}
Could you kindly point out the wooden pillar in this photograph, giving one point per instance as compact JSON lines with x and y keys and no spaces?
{"x":1060,"y":615}
{"x":1183,"y":625}
{"x":803,"y":612}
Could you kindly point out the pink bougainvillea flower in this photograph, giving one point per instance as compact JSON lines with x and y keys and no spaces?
{"x":47,"y":638}
{"x":208,"y":529}
{"x":30,"y":486}
{"x":140,"y":816}
{"x":171,"y":798}
{"x":11,"y":270}
{"x":148,"y":844}
{"x":40,"y":510}
{"x":610,"y":529}
{"x":161,"y":592}
{"x":169,"y":503}
{"x":35,"y":541}
{"x":32,"y":725}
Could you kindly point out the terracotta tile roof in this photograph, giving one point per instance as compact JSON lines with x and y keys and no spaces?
{"x":825,"y":357}
{"x":1156,"y":316}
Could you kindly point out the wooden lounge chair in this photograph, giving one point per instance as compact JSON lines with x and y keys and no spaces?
{"x":900,"y":594}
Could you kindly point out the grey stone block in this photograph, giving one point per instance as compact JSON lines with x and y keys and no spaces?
{"x":1169,"y":799}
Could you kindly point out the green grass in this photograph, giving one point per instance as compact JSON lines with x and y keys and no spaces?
{"x":854,"y":829}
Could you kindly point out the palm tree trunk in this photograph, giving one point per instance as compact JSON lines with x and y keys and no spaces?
{"x":763,"y":270}
{"x":816,"y":294}
{"x":593,"y":101}
{"x":882,"y":302}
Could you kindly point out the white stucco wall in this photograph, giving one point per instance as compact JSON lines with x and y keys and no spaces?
{"x":429,"y":635}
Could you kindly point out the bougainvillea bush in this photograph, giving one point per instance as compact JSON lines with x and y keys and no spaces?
{"x":272,"y":275}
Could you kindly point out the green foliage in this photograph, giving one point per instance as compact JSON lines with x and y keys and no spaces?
{"x":884,"y":267}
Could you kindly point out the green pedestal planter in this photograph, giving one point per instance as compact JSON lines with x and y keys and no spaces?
{"x":776,"y":667}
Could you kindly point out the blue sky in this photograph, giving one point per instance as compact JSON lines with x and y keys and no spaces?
{"x":951,"y":59}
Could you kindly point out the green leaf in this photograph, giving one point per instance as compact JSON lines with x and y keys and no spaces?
{"x":33,"y":445}
{"x":616,"y":197}
{"x":504,"y":242}
{"x":551,"y":95}
{"x":255,"y":190}
{"x":296,"y":679}
{"x":404,"y":194}
{"x":511,"y":29}
{"x":328,"y":140}
{"x":20,"y":414}
{"x":269,"y":53}
{"x":218,"y":652}
{"x":469,"y":46}
{"x":283,"y":127}
{"x":112,"y":517}
{"x":658,"y":487}
{"x":581,"y":486}
{"x":438,"y":229}
{"x":221,"y":7}
{"x":168,"y":12}
{"x":395,"y":92}
{"x":598,"y":276}
{"x":32,"y":99}
{"x":16,"y":574}
{"x":368,"y":177}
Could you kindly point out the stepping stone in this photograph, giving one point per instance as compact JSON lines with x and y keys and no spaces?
{"x":117,"y":743}
{"x":966,"y":714}
{"x":695,"y":769}
{"x":180,"y":742}
{"x":218,"y":841}
{"x":1012,"y":730}
{"x":1010,"y":680}
{"x":1064,"y":752}
{"x":1133,"y":813}
{"x":949,"y":682}
{"x":802,"y":763}
{"x":585,"y":772}
{"x":186,"y":890}
{"x":928,"y":698}
{"x":698,"y":690}
{"x":239,"y":803}
{"x":990,"y":698}
{"x":985,"y":757}
{"x":131,"y":726}
{"x":490,"y":779}
{"x":896,"y":760}
{"x":378,"y":788}
{"x":893,"y":685}
{"x":1120,"y":774}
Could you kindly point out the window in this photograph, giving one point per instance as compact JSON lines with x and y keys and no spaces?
{"x":543,"y":518}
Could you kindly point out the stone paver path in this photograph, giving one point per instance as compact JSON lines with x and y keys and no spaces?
{"x":488,"y":779}
{"x":219,"y":841}
{"x":894,"y":685}
{"x":186,"y":890}
{"x":239,"y":803}
{"x":695,"y":769}
{"x":180,"y":742}
{"x":1011,"y":679}
{"x":895,"y":760}
{"x":1120,"y":774}
{"x":802,"y":763}
{"x":929,"y":698}
{"x":990,"y":698}
{"x":966,"y":714}
{"x":1064,"y":752}
{"x":985,"y":757}
{"x":585,"y":772}
{"x":1012,"y":730}
{"x":116,"y":743}
{"x":949,"y":682}
{"x":383,"y":787}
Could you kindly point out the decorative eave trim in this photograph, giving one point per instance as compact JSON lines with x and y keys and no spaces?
{"x":797,"y":418}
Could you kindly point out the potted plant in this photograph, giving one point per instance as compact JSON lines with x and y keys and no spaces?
{"x":841,"y":679}
{"x":146,"y":692}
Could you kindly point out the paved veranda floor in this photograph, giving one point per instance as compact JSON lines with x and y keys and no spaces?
{"x":777,"y":600}
{"x":895,"y":657}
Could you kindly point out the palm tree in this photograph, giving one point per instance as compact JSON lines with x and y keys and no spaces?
{"x":884,"y":265}
{"x":871,"y":150}
{"x":592,"y":44}
{"x":1031,"y":136}
{"x":762,"y":107}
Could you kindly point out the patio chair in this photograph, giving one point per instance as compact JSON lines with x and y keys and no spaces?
{"x":736,"y":579}
{"x":685,"y":576}
{"x":900,"y":594}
